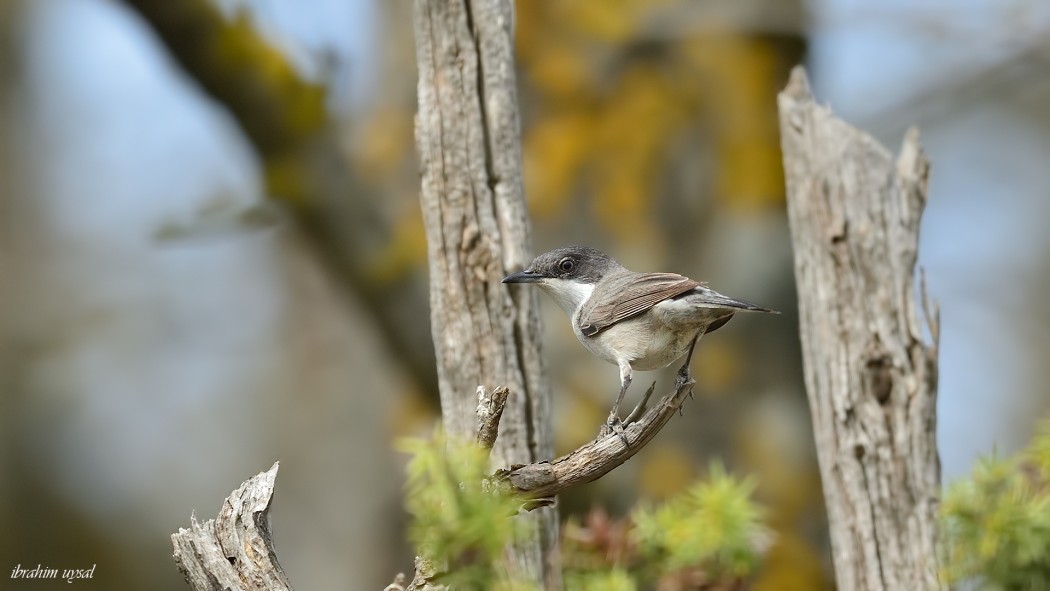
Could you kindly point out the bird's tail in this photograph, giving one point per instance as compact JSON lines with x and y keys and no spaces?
{"x":710,"y":297}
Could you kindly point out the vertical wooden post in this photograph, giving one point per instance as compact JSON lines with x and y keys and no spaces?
{"x":468,"y":136}
{"x":870,"y":376}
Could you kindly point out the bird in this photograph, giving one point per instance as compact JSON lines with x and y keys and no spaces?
{"x":636,"y":321}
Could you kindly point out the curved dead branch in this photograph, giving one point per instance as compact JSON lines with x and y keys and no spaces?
{"x":543,"y":480}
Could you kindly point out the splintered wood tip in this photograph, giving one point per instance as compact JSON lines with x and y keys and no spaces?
{"x":798,"y":85}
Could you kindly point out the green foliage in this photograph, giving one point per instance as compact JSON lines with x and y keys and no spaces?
{"x":714,"y":524}
{"x":708,"y":537}
{"x":460,"y":520}
{"x":996,"y":524}
{"x":616,"y":579}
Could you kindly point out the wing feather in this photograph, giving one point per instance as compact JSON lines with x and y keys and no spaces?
{"x":625,"y":298}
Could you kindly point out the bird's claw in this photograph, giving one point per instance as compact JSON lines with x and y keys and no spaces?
{"x":613,"y":426}
{"x":683,"y":379}
{"x":684,"y":374}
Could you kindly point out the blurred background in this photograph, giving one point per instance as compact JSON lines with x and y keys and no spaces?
{"x":212,"y":258}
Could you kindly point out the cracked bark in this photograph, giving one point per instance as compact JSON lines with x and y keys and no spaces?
{"x":871,"y":378}
{"x":467,"y":134}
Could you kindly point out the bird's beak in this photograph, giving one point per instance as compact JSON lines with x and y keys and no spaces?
{"x":526,"y":276}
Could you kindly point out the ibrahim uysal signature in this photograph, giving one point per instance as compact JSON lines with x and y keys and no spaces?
{"x":46,"y":572}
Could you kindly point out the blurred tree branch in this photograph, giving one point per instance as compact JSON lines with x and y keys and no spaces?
{"x":286,"y":120}
{"x":871,"y":378}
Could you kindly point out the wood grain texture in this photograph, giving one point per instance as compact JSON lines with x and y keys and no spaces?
{"x":489,"y":412}
{"x":235,"y":550}
{"x":871,"y":378}
{"x":468,"y":137}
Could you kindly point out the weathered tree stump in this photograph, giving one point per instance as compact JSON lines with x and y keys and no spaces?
{"x":870,"y":376}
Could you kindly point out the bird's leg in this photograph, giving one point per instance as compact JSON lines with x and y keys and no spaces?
{"x":625,"y":382}
{"x":684,"y":374}
{"x":614,"y":424}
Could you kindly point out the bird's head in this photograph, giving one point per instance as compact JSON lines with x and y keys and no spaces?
{"x":567,"y":274}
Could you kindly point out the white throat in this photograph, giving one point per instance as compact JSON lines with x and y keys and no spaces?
{"x":569,"y":295}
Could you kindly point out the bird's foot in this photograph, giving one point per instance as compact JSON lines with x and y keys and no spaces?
{"x":613,"y":425}
{"x":684,"y":379}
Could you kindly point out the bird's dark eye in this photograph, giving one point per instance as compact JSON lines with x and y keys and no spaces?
{"x":567,"y":264}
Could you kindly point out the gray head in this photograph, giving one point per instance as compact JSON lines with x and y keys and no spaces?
{"x":581,"y":264}
{"x":568,"y":274}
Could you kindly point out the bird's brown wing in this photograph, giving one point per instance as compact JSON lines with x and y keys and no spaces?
{"x":620,"y":299}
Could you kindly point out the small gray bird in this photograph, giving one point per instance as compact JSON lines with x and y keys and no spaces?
{"x":640,"y":321}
